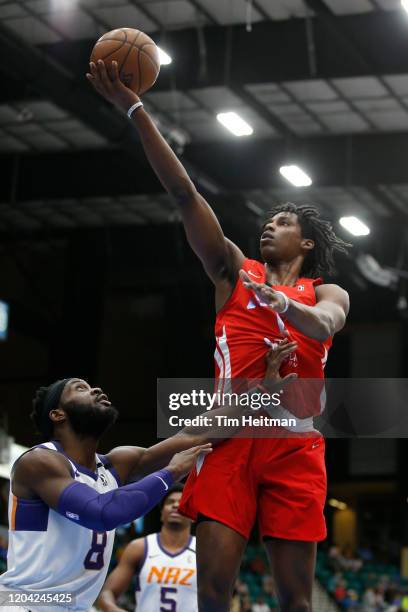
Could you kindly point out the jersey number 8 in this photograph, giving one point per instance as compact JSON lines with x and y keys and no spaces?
{"x":94,"y":557}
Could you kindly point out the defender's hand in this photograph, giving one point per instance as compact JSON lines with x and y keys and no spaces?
{"x":182,"y":462}
{"x":106,"y":81}
{"x":273,"y":299}
{"x":274,"y":359}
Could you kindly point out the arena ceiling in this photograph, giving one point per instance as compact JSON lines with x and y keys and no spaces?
{"x":323,"y":84}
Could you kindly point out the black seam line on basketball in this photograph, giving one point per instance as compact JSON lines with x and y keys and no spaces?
{"x":139,"y":76}
{"x":146,"y":53}
{"x":120,"y":40}
{"x":150,"y":58}
{"x":131,"y":45}
{"x":111,"y":52}
{"x":153,"y":63}
{"x":104,"y":37}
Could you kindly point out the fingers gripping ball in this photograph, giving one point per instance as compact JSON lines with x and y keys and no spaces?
{"x":136,"y":54}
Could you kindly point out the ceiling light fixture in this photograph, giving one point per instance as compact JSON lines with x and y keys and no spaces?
{"x":404,"y":4}
{"x":296,"y":176}
{"x":235,"y":124}
{"x":164,"y":57}
{"x":354,"y":226}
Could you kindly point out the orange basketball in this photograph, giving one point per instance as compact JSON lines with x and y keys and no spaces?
{"x":136,"y":54}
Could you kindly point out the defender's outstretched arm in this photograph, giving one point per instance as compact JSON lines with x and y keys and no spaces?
{"x":136,"y":462}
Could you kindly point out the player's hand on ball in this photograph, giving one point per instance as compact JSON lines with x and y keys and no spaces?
{"x":274,"y":359}
{"x":182,"y":462}
{"x":273,"y":299}
{"x":106,"y":81}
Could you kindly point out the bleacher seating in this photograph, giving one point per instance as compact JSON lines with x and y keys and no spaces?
{"x":381,"y":577}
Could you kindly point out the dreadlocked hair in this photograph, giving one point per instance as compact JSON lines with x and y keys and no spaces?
{"x":44,"y":429}
{"x":320,"y":259}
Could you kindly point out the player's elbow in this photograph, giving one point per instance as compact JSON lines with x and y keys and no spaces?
{"x":325,"y":333}
{"x":324,"y":325}
{"x":93,"y":521}
{"x":329,"y":326}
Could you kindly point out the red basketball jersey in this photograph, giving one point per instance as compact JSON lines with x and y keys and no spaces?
{"x":245,"y":329}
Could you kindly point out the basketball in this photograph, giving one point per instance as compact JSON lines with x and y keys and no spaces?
{"x":137,"y":56}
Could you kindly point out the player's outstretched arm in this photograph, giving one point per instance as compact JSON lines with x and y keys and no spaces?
{"x":138,"y":462}
{"x":120,"y":579}
{"x":221,"y":258}
{"x":324,"y":319}
{"x":319,"y":322}
{"x":45,"y":474}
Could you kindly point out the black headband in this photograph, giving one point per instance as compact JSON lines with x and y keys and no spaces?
{"x":52,"y":400}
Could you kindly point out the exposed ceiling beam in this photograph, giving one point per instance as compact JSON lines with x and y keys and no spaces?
{"x":45,"y":75}
{"x":337,"y":28}
{"x":141,"y":6}
{"x":260,"y":10}
{"x":262,"y":110}
{"x":201,"y":8}
{"x":364,"y":159}
{"x":275,"y":51}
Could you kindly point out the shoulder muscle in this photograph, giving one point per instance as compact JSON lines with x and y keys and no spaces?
{"x":333,"y":293}
{"x":37,"y":467}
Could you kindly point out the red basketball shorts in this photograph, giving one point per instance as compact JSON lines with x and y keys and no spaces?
{"x":280,"y":480}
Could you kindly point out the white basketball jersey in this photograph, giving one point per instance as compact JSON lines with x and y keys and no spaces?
{"x":49,"y":553}
{"x":166,"y":581}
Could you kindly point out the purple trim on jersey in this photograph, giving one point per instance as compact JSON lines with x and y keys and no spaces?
{"x":31,"y":515}
{"x":141,"y":564}
{"x":54,"y":450}
{"x":108,"y":466}
{"x":78,"y":466}
{"x":33,"y":448}
{"x":169,"y":554}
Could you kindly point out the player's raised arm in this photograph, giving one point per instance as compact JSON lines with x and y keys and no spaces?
{"x":120,"y":579}
{"x":44,"y":474}
{"x":221,"y":258}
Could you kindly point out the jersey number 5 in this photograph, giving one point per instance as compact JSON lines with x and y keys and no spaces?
{"x":165,"y":599}
{"x":94,"y":557}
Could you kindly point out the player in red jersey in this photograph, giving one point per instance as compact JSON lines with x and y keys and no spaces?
{"x":281,"y":480}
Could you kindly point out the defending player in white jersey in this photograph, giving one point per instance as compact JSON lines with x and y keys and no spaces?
{"x":164,"y":565}
{"x":66,"y":500}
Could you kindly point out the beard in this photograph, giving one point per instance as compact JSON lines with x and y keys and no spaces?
{"x":90,"y":420}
